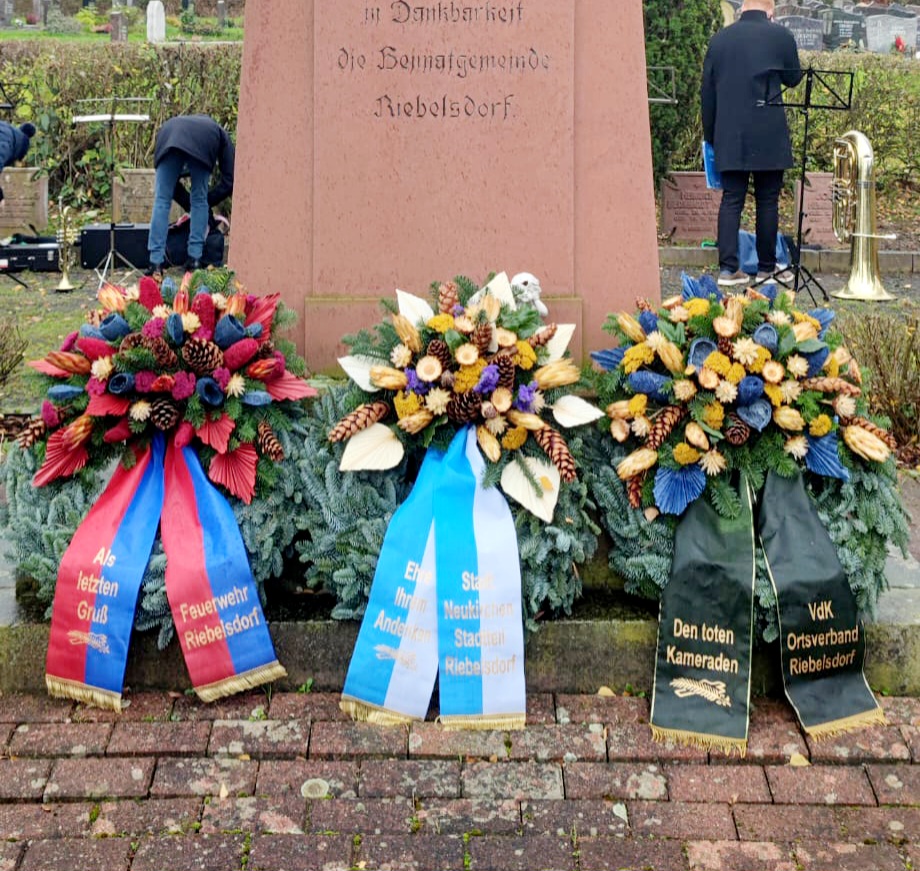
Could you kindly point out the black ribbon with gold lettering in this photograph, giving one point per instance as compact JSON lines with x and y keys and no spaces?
{"x":821,"y":636}
{"x":702,"y":684}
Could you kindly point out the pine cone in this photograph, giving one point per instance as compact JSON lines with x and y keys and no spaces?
{"x":464,"y":407}
{"x":266,"y":349}
{"x":202,"y":356}
{"x":34,"y":431}
{"x":269,"y":445}
{"x":506,"y":370}
{"x":448,"y":297}
{"x":737,"y":432}
{"x":664,"y":426}
{"x":361,"y":418}
{"x":558,"y":451}
{"x":542,"y":336}
{"x":165,"y":356}
{"x":133,"y":340}
{"x":877,"y":431}
{"x":725,"y":345}
{"x":634,"y":490}
{"x":481,"y":337}
{"x":440,"y":350}
{"x":163,"y":413}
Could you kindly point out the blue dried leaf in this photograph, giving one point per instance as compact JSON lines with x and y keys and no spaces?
{"x":823,"y":458}
{"x":690,"y":287}
{"x":823,"y":316}
{"x":650,"y":383}
{"x":816,"y":360}
{"x":64,"y":392}
{"x":228,"y":332}
{"x":114,"y":327}
{"x":709,"y":288}
{"x":256,"y":397}
{"x":675,"y":489}
{"x":648,"y":320}
{"x":121,"y":384}
{"x":756,"y":415}
{"x":88,"y":331}
{"x":767,"y":337}
{"x":750,"y":389}
{"x":700,"y":349}
{"x":209,"y":392}
{"x":611,"y":358}
{"x":174,"y":328}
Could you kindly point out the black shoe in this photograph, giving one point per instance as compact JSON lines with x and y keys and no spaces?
{"x":155,"y":270}
{"x":193,"y":264}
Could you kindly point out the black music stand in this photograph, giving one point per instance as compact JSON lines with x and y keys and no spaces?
{"x":109,"y":263}
{"x":837,"y":95}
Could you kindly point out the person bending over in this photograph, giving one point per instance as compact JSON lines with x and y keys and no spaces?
{"x":747,"y":63}
{"x":14,"y":144}
{"x":197,"y":146}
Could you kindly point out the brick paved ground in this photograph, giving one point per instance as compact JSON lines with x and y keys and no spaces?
{"x":265,"y":783}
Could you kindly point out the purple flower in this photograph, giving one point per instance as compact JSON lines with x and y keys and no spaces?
{"x":488,"y":380}
{"x":526,"y":393}
{"x":222,"y":377}
{"x":143,"y":381}
{"x":457,"y":310}
{"x":184,"y":386}
{"x":50,"y":415}
{"x":153,"y":329}
{"x":414,"y":384}
{"x":95,"y":387}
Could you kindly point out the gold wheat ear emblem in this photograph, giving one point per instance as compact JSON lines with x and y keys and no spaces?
{"x":711,"y":690}
{"x":406,"y":660}
{"x":91,"y":639}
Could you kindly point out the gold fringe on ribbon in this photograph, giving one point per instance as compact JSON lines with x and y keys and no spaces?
{"x":482,"y":722}
{"x":833,"y":728}
{"x":728,"y":746}
{"x":61,"y":688}
{"x":363,"y":712}
{"x":240,"y":682}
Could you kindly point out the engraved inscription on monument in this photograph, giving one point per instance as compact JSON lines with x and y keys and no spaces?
{"x":412,"y":98}
{"x":689,"y":210}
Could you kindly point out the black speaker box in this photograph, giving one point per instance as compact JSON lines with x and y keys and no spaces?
{"x":130,"y":243}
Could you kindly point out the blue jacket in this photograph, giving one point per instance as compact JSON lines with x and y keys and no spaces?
{"x":201,"y":138}
{"x":13,"y":144}
{"x":749,"y":62}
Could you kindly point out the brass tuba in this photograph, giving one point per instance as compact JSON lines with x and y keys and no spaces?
{"x":854,"y":219}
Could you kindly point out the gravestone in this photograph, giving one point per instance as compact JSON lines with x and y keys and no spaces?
{"x":6,"y":12}
{"x":221,"y":13}
{"x":818,"y":206}
{"x":37,"y":10}
{"x":424,"y":141}
{"x":883,"y":30}
{"x":791,"y":10}
{"x":132,"y":196}
{"x":25,"y":200}
{"x":119,"y":22}
{"x":156,"y":21}
{"x":843,"y":29}
{"x":808,"y":32}
{"x":689,"y":210}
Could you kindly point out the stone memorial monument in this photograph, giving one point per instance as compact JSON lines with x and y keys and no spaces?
{"x":883,"y":30}
{"x":808,"y":32}
{"x":156,"y":21}
{"x":25,"y":202}
{"x":119,"y":22}
{"x":385,"y":145}
{"x":689,"y":210}
{"x":843,"y":29}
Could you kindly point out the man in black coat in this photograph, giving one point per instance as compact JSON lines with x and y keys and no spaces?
{"x":193,"y":145}
{"x":747,"y":63}
{"x":14,"y":144}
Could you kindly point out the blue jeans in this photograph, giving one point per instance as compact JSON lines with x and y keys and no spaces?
{"x":174,"y":164}
{"x":767,"y":186}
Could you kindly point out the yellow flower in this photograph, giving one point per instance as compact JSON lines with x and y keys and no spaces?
{"x":638,"y":404}
{"x":441,"y":323}
{"x":406,"y":404}
{"x":697,"y":307}
{"x":236,"y":386}
{"x":735,"y":373}
{"x":686,"y":455}
{"x":802,"y":318}
{"x":526,"y":356}
{"x":756,"y":365}
{"x":820,"y":426}
{"x":162,"y":311}
{"x":514,"y":438}
{"x":468,"y":376}
{"x":140,"y":410}
{"x":832,"y":367}
{"x":714,"y":415}
{"x":190,"y":322}
{"x":718,"y":363}
{"x":637,"y":356}
{"x":774,"y":393}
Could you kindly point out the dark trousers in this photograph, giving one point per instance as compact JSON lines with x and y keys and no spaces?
{"x":767,"y":185}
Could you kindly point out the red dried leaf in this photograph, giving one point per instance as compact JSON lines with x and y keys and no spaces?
{"x":217,"y":433}
{"x":288,"y":386}
{"x":106,"y":405}
{"x":236,"y":471}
